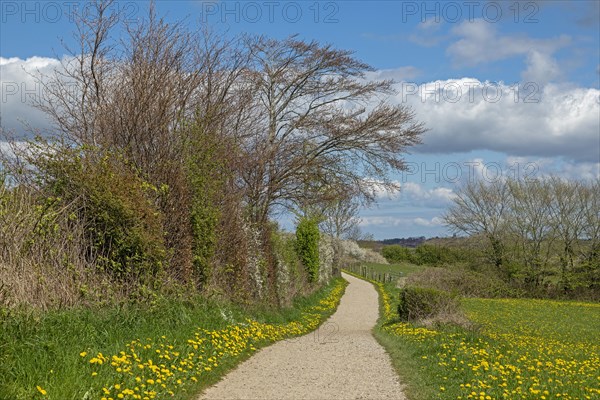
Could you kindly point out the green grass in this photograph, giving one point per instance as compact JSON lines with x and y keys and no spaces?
{"x":517,"y":349}
{"x":44,"y":349}
{"x":565,"y":321}
{"x":404,"y":268}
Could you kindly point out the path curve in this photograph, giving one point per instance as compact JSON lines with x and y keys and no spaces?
{"x":341,"y":360}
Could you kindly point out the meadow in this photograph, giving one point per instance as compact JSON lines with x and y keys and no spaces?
{"x":172,"y":349}
{"x":514,"y":349}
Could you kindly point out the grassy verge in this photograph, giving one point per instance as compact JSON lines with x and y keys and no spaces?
{"x":521,"y":349}
{"x":169,"y":349}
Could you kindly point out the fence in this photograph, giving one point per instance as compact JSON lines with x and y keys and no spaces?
{"x":371,"y":273}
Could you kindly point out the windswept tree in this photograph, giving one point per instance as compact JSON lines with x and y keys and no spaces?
{"x":323,"y":126}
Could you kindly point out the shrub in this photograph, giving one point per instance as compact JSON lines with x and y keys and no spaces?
{"x":42,"y":255}
{"x":307,"y":245}
{"x":428,"y":254}
{"x":206,"y":170}
{"x":123,"y":229}
{"x":396,"y":253}
{"x":292,"y":279}
{"x":419,"y":304}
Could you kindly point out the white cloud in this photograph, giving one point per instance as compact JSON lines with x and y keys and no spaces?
{"x":380,"y":190}
{"x":427,"y":35}
{"x":585,"y":171}
{"x":20,"y":88}
{"x":541,"y":68}
{"x":435,"y":221}
{"x":467,"y":114}
{"x":417,"y":195}
{"x":413,"y":194}
{"x":479,"y":42}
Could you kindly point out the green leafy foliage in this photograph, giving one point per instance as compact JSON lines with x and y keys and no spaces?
{"x":397,"y":254}
{"x":307,"y":245}
{"x":123,"y":228}
{"x":428,"y":254}
{"x":207,"y":172}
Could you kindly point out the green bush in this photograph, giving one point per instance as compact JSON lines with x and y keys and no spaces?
{"x":434,"y":255}
{"x":417,"y":304}
{"x":205,"y":174}
{"x":397,"y":254}
{"x":307,"y":245}
{"x":123,"y":227}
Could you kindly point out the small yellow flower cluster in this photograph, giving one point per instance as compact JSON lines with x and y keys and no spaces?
{"x":414,"y":332}
{"x":388,"y":314}
{"x":150,"y":369}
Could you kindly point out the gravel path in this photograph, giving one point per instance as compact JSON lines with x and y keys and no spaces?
{"x":341,"y":360}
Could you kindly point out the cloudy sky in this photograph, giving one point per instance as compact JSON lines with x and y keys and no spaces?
{"x":505,"y":88}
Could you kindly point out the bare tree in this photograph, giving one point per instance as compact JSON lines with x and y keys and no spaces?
{"x":340,"y":217}
{"x":73,"y":95}
{"x":567,"y":217}
{"x":530,"y":225}
{"x":322,"y":125}
{"x":482,"y":208}
{"x":589,"y":202}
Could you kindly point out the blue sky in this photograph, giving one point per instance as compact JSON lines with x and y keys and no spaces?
{"x":510,"y":87}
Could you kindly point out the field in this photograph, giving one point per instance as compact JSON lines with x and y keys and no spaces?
{"x":516,"y":349}
{"x":172,"y":349}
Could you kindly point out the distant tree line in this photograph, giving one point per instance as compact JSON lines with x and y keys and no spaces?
{"x":407,"y":242}
{"x":539,"y":233}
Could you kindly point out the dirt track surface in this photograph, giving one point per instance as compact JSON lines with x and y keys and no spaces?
{"x":341,"y":360}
